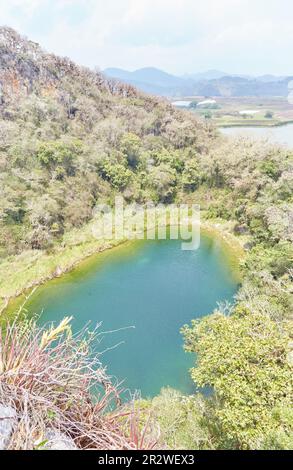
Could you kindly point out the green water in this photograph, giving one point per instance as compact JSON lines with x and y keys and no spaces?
{"x":152,"y":286}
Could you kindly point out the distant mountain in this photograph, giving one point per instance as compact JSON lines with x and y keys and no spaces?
{"x":155,"y":76}
{"x":269,"y":78}
{"x":150,"y":80}
{"x":210,"y":83}
{"x":118,"y":73}
{"x":239,"y":86}
{"x":209,"y":75}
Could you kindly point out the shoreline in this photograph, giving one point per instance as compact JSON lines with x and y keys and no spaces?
{"x":62,"y":261}
{"x":232,"y":248}
{"x":258,"y":124}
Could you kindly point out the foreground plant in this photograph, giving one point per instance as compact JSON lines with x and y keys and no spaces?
{"x":246,"y":359}
{"x":54,"y":384}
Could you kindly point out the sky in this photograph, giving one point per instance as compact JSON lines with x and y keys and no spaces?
{"x":180,"y":36}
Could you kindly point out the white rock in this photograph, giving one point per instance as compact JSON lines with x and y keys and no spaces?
{"x":58,"y":441}
{"x":8,"y":419}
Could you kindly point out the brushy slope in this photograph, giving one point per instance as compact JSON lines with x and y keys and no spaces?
{"x":70,"y":138}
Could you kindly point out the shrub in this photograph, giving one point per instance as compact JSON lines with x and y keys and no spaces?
{"x":244,"y":358}
{"x":53,"y":380}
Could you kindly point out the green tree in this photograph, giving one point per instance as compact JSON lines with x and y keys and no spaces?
{"x":191,"y":175}
{"x":163,"y":181}
{"x":59,"y":156}
{"x":130,"y":146}
{"x":117,"y":174}
{"x":244,"y":358}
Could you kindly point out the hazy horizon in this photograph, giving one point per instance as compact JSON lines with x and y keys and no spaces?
{"x":238,"y":37}
{"x":195,"y":72}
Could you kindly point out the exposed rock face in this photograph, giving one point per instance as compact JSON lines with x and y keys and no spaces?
{"x":58,"y":441}
{"x":8,"y":419}
{"x":25,"y":68}
{"x":55,"y":440}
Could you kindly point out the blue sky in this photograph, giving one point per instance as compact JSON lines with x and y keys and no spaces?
{"x":179,"y":36}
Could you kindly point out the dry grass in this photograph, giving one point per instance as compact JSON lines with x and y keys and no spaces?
{"x":54,"y":381}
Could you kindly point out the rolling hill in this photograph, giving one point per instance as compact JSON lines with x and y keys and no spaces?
{"x":210,"y":83}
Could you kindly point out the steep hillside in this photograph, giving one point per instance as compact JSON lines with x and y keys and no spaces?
{"x":70,"y":137}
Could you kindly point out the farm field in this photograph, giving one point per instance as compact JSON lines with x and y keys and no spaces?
{"x":243,"y":111}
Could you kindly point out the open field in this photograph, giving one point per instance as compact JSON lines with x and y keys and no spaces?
{"x":245,"y":111}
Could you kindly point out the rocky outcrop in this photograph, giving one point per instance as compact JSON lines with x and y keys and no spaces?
{"x":8,"y":420}
{"x":58,"y":441}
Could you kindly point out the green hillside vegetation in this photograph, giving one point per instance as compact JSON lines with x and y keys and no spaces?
{"x":69,"y":139}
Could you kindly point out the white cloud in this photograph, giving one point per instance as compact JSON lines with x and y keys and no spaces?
{"x":251,"y":36}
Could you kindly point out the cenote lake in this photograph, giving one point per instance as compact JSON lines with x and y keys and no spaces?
{"x":147,"y":290}
{"x":281,"y":134}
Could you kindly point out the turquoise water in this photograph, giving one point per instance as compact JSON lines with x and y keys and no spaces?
{"x":152,"y":286}
{"x":281,"y":135}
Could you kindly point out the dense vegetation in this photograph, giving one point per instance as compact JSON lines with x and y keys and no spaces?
{"x":245,"y":351}
{"x":69,"y":139}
